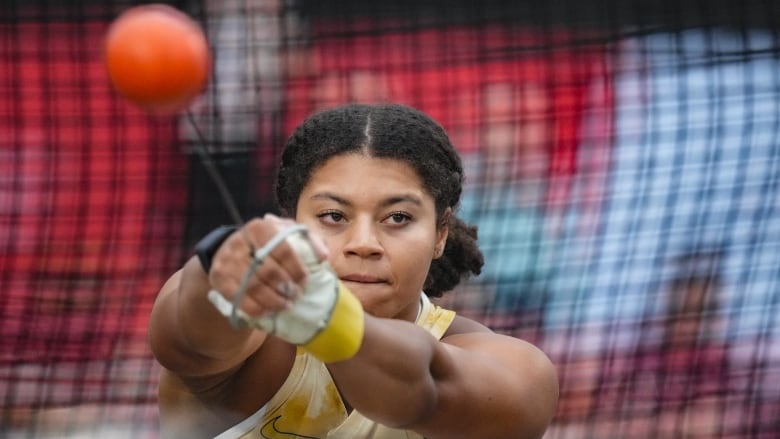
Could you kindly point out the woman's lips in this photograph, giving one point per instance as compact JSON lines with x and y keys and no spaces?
{"x":362,"y":278}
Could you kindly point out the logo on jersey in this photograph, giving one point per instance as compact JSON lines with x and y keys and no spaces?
{"x":269,"y":430}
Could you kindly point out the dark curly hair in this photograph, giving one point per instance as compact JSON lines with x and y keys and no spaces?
{"x":396,"y":132}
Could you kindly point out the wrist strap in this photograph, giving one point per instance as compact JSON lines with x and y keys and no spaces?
{"x":209,"y":244}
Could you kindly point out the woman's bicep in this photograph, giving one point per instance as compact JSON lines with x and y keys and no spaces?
{"x":163,"y":332}
{"x":497,"y":387}
{"x":237,"y":382}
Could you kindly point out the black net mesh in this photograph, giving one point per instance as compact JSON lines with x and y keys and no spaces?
{"x":622,"y":166}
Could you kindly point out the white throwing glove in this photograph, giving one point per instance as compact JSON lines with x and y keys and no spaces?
{"x":327,"y":319}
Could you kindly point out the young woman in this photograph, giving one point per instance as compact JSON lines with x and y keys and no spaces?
{"x":377,"y":188}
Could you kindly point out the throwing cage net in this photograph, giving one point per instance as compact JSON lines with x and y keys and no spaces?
{"x":623,"y":167}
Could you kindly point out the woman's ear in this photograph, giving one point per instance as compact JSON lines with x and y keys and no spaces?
{"x":442,"y":230}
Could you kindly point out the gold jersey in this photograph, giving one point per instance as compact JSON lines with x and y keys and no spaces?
{"x":308,"y":405}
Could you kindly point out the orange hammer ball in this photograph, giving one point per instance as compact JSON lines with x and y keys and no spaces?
{"x":157,"y":57}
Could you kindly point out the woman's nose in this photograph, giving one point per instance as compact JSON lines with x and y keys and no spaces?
{"x":363,"y":241}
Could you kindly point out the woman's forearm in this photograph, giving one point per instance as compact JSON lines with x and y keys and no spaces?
{"x":186,"y":326}
{"x":390,"y":379}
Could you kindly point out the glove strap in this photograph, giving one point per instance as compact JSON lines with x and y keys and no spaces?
{"x":209,"y":244}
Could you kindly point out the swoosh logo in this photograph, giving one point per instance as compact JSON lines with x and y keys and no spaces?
{"x":269,"y":430}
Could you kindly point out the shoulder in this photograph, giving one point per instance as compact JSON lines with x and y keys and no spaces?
{"x":215,"y":402}
{"x":513,"y":381}
{"x":465,"y":325}
{"x":472,"y":335}
{"x":478,"y":341}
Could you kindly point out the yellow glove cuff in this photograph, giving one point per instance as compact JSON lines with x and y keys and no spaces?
{"x":343,"y":335}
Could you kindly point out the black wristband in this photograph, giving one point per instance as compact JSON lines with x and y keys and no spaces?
{"x":209,"y":244}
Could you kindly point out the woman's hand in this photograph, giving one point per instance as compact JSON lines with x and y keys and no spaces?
{"x":278,"y":280}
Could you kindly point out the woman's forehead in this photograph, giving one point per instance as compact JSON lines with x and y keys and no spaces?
{"x":351,"y":166}
{"x":362,"y":175}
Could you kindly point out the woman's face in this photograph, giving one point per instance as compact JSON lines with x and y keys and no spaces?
{"x":380,"y":226}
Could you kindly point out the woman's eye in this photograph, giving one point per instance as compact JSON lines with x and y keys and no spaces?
{"x":334,"y":217}
{"x":398,"y":218}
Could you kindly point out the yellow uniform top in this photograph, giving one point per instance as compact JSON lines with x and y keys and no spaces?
{"x":308,"y":405}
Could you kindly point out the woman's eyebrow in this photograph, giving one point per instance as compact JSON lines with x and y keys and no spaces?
{"x":389,"y":201}
{"x":330,"y":196}
{"x":396,"y":199}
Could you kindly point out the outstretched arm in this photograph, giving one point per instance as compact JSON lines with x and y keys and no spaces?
{"x":474,"y":384}
{"x":187,"y":333}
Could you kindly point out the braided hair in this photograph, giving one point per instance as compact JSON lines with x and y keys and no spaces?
{"x":389,"y":131}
